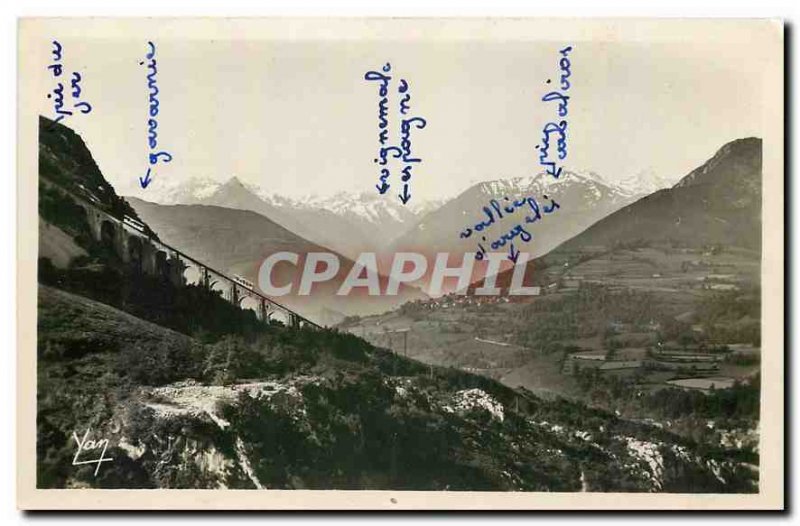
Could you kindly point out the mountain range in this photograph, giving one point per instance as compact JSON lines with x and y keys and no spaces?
{"x":582,"y":199}
{"x":344,"y":222}
{"x":637,"y":184}
{"x":717,"y":203}
{"x":366,"y":222}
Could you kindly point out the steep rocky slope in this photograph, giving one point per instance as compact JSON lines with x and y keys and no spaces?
{"x":323,"y":410}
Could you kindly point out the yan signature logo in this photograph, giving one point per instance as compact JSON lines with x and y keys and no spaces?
{"x":89,"y":448}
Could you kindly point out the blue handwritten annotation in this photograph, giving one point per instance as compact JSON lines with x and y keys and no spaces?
{"x":152,"y":123}
{"x":496,"y":211}
{"x":75,"y":90}
{"x":387,"y":149}
{"x":557,"y":128}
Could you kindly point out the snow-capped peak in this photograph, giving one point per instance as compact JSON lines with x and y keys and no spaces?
{"x":638,"y":184}
{"x":646,"y":182}
{"x":541,"y":183}
{"x":174,"y":192}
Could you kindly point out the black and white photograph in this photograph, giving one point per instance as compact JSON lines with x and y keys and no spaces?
{"x":401,"y":258}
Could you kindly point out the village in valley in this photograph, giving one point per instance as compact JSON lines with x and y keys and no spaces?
{"x":608,"y":328}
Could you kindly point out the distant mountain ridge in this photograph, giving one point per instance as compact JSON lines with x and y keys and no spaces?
{"x":364,"y":222}
{"x":195,"y":190}
{"x":237,"y":241}
{"x":344,"y":222}
{"x":233,"y":240}
{"x":638,"y":184}
{"x":718,"y":202}
{"x":583,"y":199}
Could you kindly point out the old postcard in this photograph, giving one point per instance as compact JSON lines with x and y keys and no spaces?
{"x":400,"y":264}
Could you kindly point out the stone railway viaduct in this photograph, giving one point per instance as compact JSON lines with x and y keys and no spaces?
{"x":138,"y":247}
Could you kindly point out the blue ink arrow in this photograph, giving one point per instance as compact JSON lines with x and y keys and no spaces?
{"x":405,"y":197}
{"x":513,"y":254}
{"x":146,"y":181}
{"x":383,"y":187}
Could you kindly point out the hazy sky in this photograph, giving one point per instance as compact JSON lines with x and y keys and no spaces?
{"x":297,"y":117}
